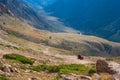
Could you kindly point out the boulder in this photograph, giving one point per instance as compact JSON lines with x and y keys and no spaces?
{"x":115,"y":66}
{"x":7,"y":68}
{"x":110,"y":67}
{"x":27,"y":71}
{"x":103,"y":66}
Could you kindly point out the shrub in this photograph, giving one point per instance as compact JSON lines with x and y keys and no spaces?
{"x":65,"y":69}
{"x":1,"y":65}
{"x":3,"y":78}
{"x":1,"y":44}
{"x":50,"y":37}
{"x":92,"y":70}
{"x":19,"y":58}
{"x":14,"y":47}
{"x":53,"y":68}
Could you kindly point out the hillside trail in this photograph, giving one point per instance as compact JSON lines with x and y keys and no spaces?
{"x":68,"y":59}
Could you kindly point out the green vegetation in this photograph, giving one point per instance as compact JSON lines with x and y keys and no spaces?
{"x":11,"y":47}
{"x":1,"y":65}
{"x":14,"y":47}
{"x":1,"y":44}
{"x":65,"y":69}
{"x":3,"y":78}
{"x":46,"y":42}
{"x":58,"y":78}
{"x":19,"y":58}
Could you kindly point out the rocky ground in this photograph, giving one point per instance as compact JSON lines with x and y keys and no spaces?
{"x":106,"y":70}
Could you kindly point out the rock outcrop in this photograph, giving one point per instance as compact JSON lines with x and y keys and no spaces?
{"x":103,"y":66}
{"x":110,"y":67}
{"x":7,"y":70}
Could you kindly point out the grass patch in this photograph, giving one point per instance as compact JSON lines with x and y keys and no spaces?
{"x":19,"y":58}
{"x":14,"y":47}
{"x":11,"y":47}
{"x":3,"y":78}
{"x":1,"y":44}
{"x":116,"y":59}
{"x":65,"y":69}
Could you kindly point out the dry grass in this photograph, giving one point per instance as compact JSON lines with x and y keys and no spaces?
{"x":116,"y":59}
{"x":106,"y":76}
{"x":103,"y":76}
{"x":59,"y":51}
{"x":37,"y":75}
{"x":16,"y":25}
{"x":28,"y":36}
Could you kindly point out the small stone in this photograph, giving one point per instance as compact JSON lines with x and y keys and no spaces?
{"x":27,"y":71}
{"x":96,"y":76}
{"x":6,"y":68}
{"x":2,"y":73}
{"x":32,"y":79}
{"x":16,"y":70}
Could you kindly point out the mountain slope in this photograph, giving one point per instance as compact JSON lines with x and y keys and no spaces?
{"x":73,"y":43}
{"x":39,"y":20}
{"x":89,"y":16}
{"x":16,"y":31}
{"x":85,"y":19}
